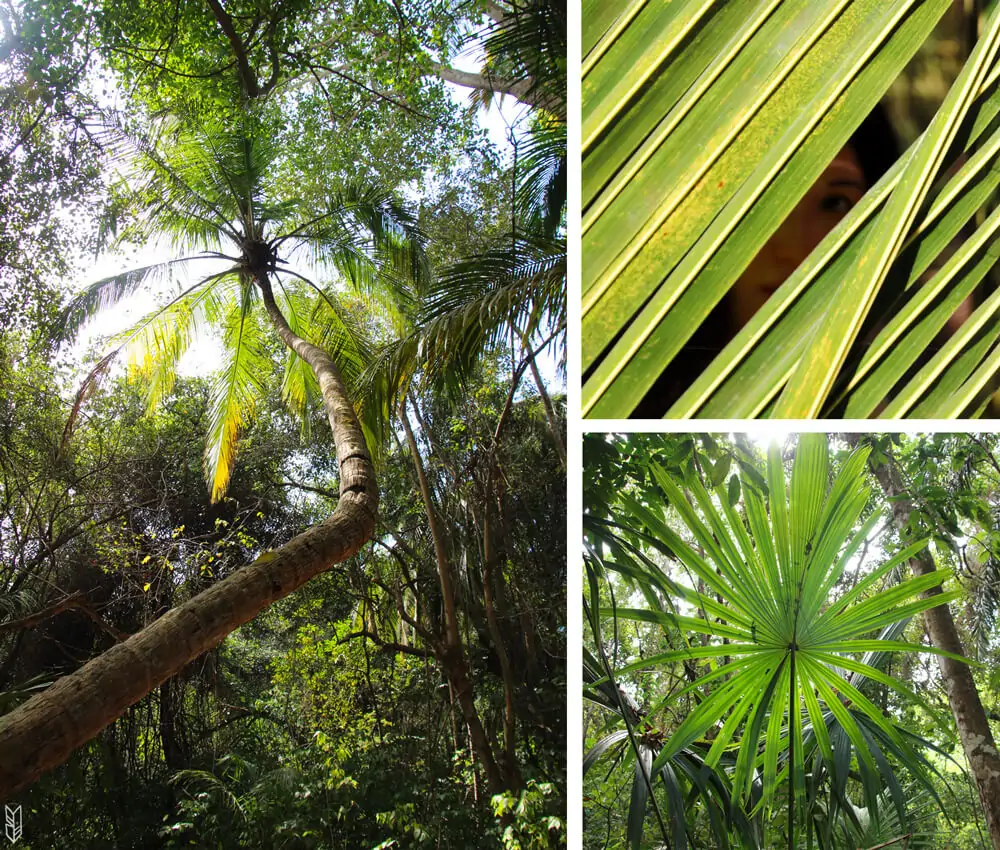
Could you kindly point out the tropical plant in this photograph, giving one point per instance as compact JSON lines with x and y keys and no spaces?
{"x":209,"y":188}
{"x":210,"y":185}
{"x":514,"y":292}
{"x":703,"y":125}
{"x":783,"y":695}
{"x":686,"y":775}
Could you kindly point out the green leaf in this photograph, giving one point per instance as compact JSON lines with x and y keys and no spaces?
{"x":782,"y":653}
{"x":739,"y":121}
{"x":734,"y":490}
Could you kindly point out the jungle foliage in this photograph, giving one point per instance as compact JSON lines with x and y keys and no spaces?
{"x":756,"y":670}
{"x":335,"y":194}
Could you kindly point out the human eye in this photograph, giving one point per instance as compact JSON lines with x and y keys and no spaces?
{"x":837,"y":203}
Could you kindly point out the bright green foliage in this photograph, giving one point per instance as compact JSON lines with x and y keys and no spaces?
{"x":531,"y":829}
{"x":212,"y":187}
{"x":695,"y":156}
{"x":329,"y":721}
{"x":758,"y":593}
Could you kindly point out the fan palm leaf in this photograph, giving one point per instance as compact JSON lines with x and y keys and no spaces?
{"x":759,"y":590}
{"x":693,"y":158}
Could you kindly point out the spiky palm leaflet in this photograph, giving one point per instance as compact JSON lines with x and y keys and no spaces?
{"x":737,"y":108}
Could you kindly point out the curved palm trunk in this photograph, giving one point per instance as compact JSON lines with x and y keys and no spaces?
{"x":44,"y":731}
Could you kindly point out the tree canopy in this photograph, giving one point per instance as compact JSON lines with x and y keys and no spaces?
{"x":259,"y":635}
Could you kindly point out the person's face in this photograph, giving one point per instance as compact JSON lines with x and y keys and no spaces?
{"x":829,"y":199}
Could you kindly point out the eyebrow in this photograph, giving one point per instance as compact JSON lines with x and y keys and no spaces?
{"x":848,"y":182}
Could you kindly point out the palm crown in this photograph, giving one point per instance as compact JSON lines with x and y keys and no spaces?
{"x":212,"y":189}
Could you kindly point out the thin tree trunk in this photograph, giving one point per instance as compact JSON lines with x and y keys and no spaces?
{"x":44,"y":731}
{"x":550,"y":413}
{"x":451,"y":654}
{"x":511,"y":768}
{"x":437,"y":535}
{"x":970,"y":718}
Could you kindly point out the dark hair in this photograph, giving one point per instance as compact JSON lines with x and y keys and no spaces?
{"x":877,"y":147}
{"x":876,"y":144}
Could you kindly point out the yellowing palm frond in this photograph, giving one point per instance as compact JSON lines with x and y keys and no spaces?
{"x":237,"y":390}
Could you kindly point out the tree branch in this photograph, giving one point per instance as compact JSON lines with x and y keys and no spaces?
{"x":74,"y":600}
{"x":387,"y":647}
{"x":522,"y":90}
{"x":247,"y":76}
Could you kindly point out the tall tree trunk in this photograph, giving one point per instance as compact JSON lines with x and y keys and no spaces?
{"x":970,"y":718}
{"x":45,"y":730}
{"x":510,"y":767}
{"x":550,"y":414}
{"x":450,"y":653}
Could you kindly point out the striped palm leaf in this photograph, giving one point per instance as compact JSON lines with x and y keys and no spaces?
{"x":693,"y":156}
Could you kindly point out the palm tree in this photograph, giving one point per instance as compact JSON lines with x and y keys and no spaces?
{"x":209,"y":188}
{"x":515,"y":292}
{"x":782,"y":688}
{"x":695,"y":153}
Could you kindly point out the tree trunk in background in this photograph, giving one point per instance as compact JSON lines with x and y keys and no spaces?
{"x":970,"y":718}
{"x":511,"y":769}
{"x":550,"y":413}
{"x":451,"y":654}
{"x":45,"y":730}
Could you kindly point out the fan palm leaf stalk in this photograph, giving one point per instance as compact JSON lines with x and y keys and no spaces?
{"x":780,"y":643}
{"x":215,"y":191}
{"x":844,"y":331}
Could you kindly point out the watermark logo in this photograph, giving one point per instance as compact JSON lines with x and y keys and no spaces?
{"x":12,"y":823}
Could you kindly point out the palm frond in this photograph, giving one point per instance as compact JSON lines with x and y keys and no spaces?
{"x":475,"y":302}
{"x":374,"y":243}
{"x":472,"y":308}
{"x":762,"y":583}
{"x":541,"y":192}
{"x":107,"y":292}
{"x":236,"y":391}
{"x":528,"y":46}
{"x":157,"y":343}
{"x":736,"y":158}
{"x":171,"y":182}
